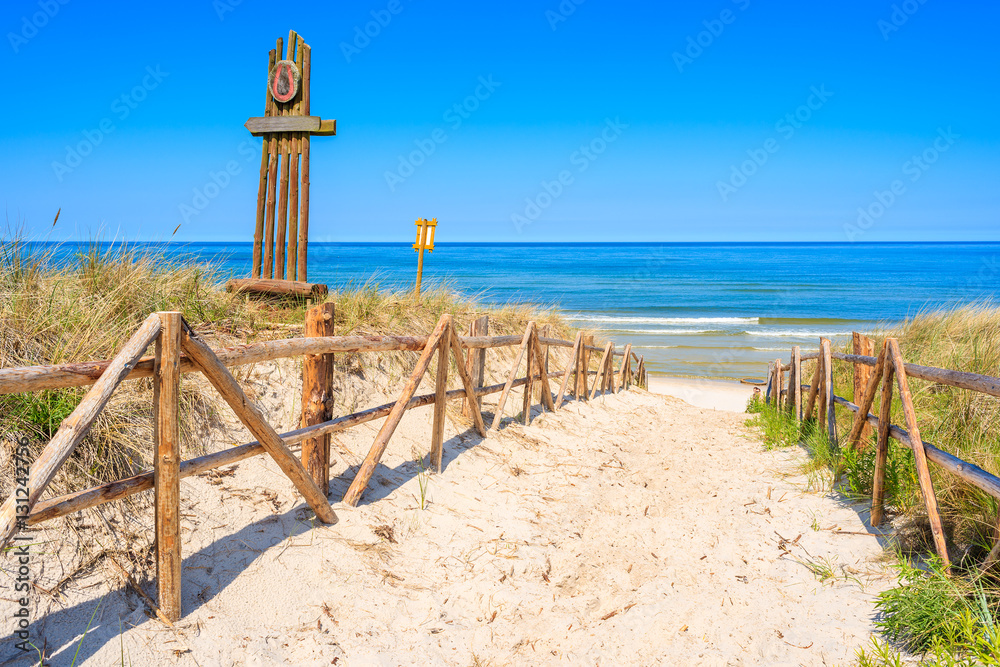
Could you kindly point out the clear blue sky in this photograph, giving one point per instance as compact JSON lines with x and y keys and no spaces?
{"x":920,"y":79}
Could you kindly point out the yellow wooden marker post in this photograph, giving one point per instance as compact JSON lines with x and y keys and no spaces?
{"x":425,"y":241}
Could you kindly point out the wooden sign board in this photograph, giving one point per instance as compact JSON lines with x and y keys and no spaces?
{"x":284,"y":80}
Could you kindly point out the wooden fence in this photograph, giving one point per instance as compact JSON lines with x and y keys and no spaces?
{"x":180,"y":350}
{"x":875,"y":374}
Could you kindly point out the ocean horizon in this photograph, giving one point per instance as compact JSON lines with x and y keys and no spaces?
{"x":693,"y":309}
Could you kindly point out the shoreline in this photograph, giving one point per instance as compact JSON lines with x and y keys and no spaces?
{"x":707,"y":393}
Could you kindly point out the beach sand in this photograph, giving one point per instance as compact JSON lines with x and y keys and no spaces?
{"x":631,"y":530}
{"x":726,"y":395}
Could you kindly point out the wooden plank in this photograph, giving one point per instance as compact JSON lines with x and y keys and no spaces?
{"x":303,"y":245}
{"x":570,"y":365}
{"x":327,"y":128}
{"x":75,"y":427}
{"x":867,"y":399}
{"x":769,"y":389}
{"x":367,"y":468}
{"x":984,"y":384}
{"x":498,"y":414}
{"x":476,"y":364}
{"x":35,"y":378}
{"x":882,"y":448}
{"x":281,"y":222}
{"x":779,"y":379}
{"x":440,"y":402}
{"x":273,"y":147}
{"x":317,"y":396}
{"x":252,"y":417}
{"x":602,"y":367}
{"x":260,"y":125}
{"x":923,"y":472}
{"x":166,"y":465}
{"x":279,"y":287}
{"x":472,"y":401}
{"x":795,"y":382}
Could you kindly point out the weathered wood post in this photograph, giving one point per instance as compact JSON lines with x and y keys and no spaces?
{"x":769,"y":389}
{"x":583,"y":379}
{"x":317,"y":396}
{"x":796,"y":380}
{"x":862,"y":345}
{"x":440,"y":399}
{"x":829,"y":416}
{"x":476,"y":361}
{"x":779,"y":383}
{"x":166,"y":464}
{"x":882,"y":447}
{"x":530,"y":369}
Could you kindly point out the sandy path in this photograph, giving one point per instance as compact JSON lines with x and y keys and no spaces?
{"x":636,"y":530}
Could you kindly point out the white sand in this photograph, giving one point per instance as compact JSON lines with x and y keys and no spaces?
{"x":724,"y":395}
{"x":634,"y":530}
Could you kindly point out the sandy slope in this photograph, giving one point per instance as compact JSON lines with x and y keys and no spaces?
{"x":636,"y":530}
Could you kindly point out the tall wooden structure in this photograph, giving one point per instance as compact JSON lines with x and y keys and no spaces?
{"x":281,"y":237}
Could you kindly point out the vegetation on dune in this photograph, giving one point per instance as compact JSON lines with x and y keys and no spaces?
{"x":952,"y":620}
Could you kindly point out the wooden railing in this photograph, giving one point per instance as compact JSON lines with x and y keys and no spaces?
{"x":869,"y":373}
{"x":310,"y":471}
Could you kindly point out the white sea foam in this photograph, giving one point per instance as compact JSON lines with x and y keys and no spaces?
{"x":612,"y":319}
{"x":796,"y":333}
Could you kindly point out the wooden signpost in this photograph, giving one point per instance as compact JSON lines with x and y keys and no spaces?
{"x":425,"y":241}
{"x":283,"y":195}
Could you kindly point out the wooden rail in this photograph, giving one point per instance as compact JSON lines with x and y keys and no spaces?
{"x":310,"y":475}
{"x":883,"y":370}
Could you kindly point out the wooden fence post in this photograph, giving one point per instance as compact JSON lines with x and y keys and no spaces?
{"x":813,"y":390}
{"x":440,"y":401}
{"x":166,"y":465}
{"x":623,"y":372}
{"x":923,"y":471}
{"x":779,"y":379}
{"x":882,"y":448}
{"x":583,"y":378}
{"x":317,"y":396}
{"x":571,"y":364}
{"x":367,"y":468}
{"x":862,"y":345}
{"x":769,"y":388}
{"x":602,"y":368}
{"x":529,"y":371}
{"x":476,"y":365}
{"x":829,"y":416}
{"x":545,"y":390}
{"x":795,"y":382}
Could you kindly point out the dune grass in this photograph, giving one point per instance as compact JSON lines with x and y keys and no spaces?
{"x":946,"y":618}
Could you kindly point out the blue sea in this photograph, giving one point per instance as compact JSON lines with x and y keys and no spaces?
{"x":692,"y":309}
